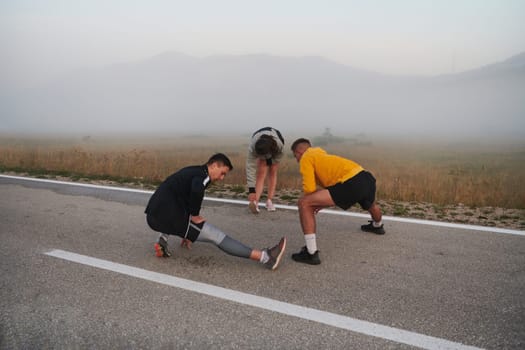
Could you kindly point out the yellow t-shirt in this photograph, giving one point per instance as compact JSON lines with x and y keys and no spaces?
{"x":320,"y":168}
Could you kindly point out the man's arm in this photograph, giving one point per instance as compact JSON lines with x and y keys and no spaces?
{"x":308,"y":173}
{"x":196,"y":196}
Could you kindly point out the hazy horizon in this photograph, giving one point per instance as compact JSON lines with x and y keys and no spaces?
{"x":381,"y":68}
{"x":43,"y":39}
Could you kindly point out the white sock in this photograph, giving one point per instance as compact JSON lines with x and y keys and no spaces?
{"x":311,"y":243}
{"x":264,"y":257}
{"x":164,"y":237}
{"x":377,"y":224}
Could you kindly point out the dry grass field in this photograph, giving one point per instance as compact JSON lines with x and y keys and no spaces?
{"x":426,"y":174}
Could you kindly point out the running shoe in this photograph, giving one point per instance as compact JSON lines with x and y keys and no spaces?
{"x":275,"y":254}
{"x":254,"y":207}
{"x":161,"y":249}
{"x":269,"y":205}
{"x":304,"y":257}
{"x":371,"y":228}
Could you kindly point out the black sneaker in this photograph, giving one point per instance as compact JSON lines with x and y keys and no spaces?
{"x":275,"y":254}
{"x":371,"y":228}
{"x":304,"y":257}
{"x":161,"y":248}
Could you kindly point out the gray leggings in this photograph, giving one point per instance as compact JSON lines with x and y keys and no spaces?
{"x":212,"y":234}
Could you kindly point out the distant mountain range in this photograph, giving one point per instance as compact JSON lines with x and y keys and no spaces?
{"x":177,"y":93}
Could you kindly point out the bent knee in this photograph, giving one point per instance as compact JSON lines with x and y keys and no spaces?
{"x":304,"y":202}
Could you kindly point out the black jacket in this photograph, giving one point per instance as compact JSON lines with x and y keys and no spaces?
{"x":178,"y":197}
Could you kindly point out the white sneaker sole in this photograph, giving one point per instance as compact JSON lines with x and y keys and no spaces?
{"x":280,"y":256}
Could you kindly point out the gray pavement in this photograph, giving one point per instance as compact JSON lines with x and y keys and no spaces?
{"x":462,"y":286}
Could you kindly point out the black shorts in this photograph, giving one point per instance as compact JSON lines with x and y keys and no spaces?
{"x":358,"y":189}
{"x":175,"y":226}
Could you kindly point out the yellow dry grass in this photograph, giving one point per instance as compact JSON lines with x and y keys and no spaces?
{"x":473,"y":174}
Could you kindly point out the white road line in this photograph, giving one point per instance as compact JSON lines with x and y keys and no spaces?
{"x":390,"y":218}
{"x":77,"y":184}
{"x":289,"y":207}
{"x":328,"y":318}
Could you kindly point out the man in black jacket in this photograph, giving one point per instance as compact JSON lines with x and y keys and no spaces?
{"x":174,"y":209}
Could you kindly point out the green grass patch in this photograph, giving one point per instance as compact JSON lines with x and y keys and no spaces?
{"x":400,"y":210}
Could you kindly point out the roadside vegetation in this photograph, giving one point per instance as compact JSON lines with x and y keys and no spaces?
{"x":438,"y":175}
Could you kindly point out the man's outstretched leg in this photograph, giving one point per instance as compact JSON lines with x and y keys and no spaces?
{"x":270,"y":257}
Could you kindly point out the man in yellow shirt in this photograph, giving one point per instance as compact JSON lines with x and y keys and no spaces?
{"x":343,"y":183}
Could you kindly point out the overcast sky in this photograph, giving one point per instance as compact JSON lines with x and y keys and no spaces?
{"x":42,"y":38}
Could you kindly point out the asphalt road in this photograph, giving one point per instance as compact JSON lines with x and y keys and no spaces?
{"x":417,"y":286}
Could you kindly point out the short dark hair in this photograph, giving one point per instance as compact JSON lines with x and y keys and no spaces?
{"x":220,"y":158}
{"x":298,"y":141}
{"x":266,"y":144}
